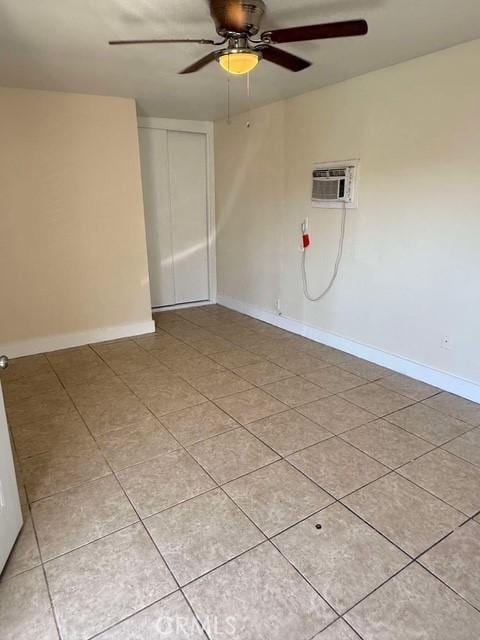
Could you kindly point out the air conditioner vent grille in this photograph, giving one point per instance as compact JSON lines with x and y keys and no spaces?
{"x":325,"y":190}
{"x":329,"y":173}
{"x":333,"y":185}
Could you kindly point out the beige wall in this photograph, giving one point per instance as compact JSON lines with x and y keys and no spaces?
{"x":73,"y":254}
{"x":411,"y":268}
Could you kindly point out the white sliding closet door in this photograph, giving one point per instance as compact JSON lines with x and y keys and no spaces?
{"x":156,"y":201}
{"x":188,"y":202}
{"x":174,"y":175}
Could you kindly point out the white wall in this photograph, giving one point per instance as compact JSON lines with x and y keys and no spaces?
{"x":73,"y":261}
{"x":411,"y":267}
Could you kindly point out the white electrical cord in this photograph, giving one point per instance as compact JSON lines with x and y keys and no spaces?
{"x":336,"y":267}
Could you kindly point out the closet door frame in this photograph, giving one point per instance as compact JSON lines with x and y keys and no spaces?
{"x":206,"y":128}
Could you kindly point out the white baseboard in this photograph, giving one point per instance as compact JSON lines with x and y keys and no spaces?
{"x":66,"y":340}
{"x":185,"y":305}
{"x":441,"y":379}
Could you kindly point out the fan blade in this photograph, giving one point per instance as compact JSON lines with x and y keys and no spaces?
{"x":283,"y":58}
{"x":199,"y":64}
{"x":159,"y":41}
{"x":317,"y":32}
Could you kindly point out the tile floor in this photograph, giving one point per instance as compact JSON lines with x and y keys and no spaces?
{"x":225,"y":479}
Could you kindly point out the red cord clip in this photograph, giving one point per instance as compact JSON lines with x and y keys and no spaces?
{"x":306,"y":240}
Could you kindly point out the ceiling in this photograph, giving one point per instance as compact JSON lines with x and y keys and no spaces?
{"x":61,"y":45}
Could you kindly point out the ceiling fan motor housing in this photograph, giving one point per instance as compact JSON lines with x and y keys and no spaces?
{"x":237,"y":16}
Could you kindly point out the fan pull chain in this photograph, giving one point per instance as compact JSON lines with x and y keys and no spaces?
{"x":249,"y":102}
{"x":228,"y":101}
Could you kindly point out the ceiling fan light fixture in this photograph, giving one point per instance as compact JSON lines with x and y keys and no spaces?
{"x":238,"y":63}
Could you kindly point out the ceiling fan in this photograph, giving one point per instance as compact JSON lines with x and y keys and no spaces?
{"x":238,"y":21}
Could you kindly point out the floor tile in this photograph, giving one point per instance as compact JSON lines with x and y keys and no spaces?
{"x":288,"y":432}
{"x":335,"y":379}
{"x":25,"y":610}
{"x":111,"y":414}
{"x":169,"y":353}
{"x":49,"y":473}
{"x":315,"y":349}
{"x":197,"y":315}
{"x":337,"y":467}
{"x":201,"y":534}
{"x":91,"y":393}
{"x":412,"y":606}
{"x":106,"y":581}
{"x":164,"y":318}
{"x":81,"y":515}
{"x":125,"y":356}
{"x":466,"y":446}
{"x":376,"y":399}
{"x":73,"y":357}
{"x":158,"y":341}
{"x":295,"y":391}
{"x":194,"y":367}
{"x":456,"y":561}
{"x":457,"y":407}
{"x":335,"y":414}
{"x":241,"y":337}
{"x":258,"y":595}
{"x":263,"y":373}
{"x":364,"y":369}
{"x":175,"y":397}
{"x":335,"y":356}
{"x":24,"y":555}
{"x":409,"y":387}
{"x":300,"y":363}
{"x":407,"y":515}
{"x":164,"y":482}
{"x":169,"y":619}
{"x":25,"y":367}
{"x":232,"y":454}
{"x":234,"y":358}
{"x":187,"y":331}
{"x":147,"y":384}
{"x":108,"y":406}
{"x":266,"y":346}
{"x":332,"y":558}
{"x":453,"y":480}
{"x":40,"y":436}
{"x":339,"y":630}
{"x":17,"y":390}
{"x":387,"y":443}
{"x":220,"y":384}
{"x":251,"y":405}
{"x":277,"y":497}
{"x":85,"y":373}
{"x":54,"y":403}
{"x":428,"y":423}
{"x":210,"y":344}
{"x":136,"y":443}
{"x":198,"y":423}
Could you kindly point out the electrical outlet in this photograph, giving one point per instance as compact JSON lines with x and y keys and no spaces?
{"x":446,"y":343}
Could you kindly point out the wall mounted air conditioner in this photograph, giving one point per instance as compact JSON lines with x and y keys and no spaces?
{"x":335,"y":184}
